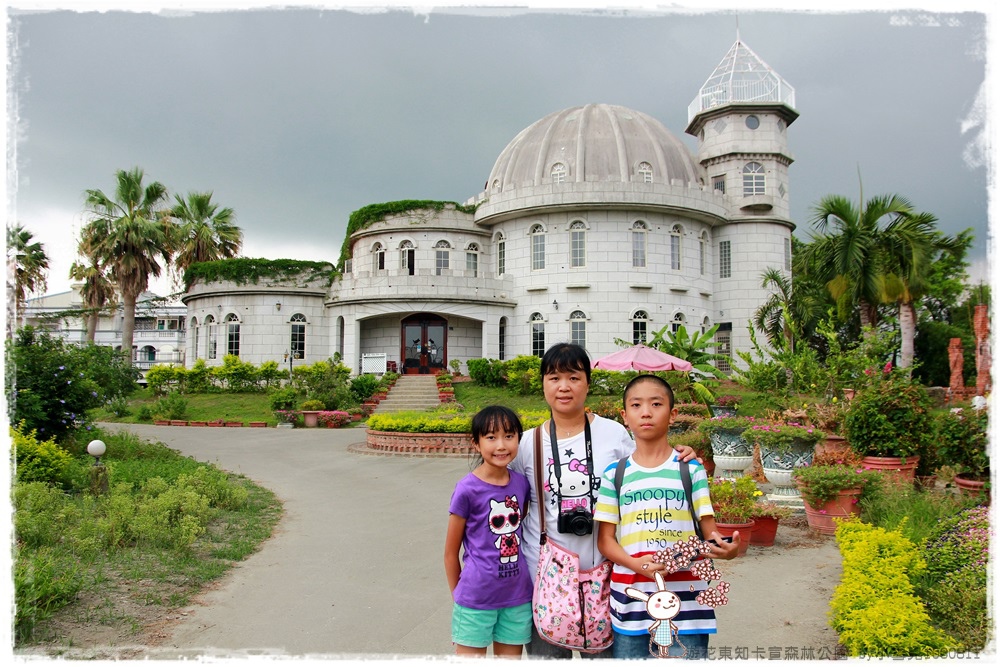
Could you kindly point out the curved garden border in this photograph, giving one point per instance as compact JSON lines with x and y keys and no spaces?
{"x":417,"y":444}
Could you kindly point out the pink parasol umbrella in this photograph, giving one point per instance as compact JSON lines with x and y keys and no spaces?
{"x":641,"y":358}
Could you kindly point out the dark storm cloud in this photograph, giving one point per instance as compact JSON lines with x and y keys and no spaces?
{"x":295,"y":118}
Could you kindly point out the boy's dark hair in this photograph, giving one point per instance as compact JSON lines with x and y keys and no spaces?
{"x":494,"y":418}
{"x":649,"y":378}
{"x":566,"y":358}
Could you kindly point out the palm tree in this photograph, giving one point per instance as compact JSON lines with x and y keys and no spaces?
{"x":98,"y":291}
{"x":30,"y":264}
{"x":128,"y":234}
{"x":205,"y":233}
{"x":789,"y":313}
{"x":850,"y":251}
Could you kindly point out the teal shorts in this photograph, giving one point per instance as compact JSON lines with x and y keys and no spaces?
{"x":478,"y":628}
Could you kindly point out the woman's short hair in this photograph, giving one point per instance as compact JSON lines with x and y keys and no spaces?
{"x":565,"y":358}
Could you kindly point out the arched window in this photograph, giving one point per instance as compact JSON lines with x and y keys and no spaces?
{"x":578,"y":328}
{"x":537,"y":335}
{"x":297,"y":340}
{"x":537,"y":234}
{"x":472,"y":260}
{"x":558,"y":173}
{"x":147,"y":353}
{"x":502,"y":338}
{"x":442,"y":253}
{"x":639,"y":322}
{"x":578,"y":244}
{"x":233,"y":334}
{"x":496,"y":185}
{"x":194,"y":337}
{"x":212,"y":339}
{"x":501,"y":254}
{"x":645,"y":172}
{"x":706,"y":324}
{"x":753,"y":179}
{"x":639,"y":231}
{"x":677,"y":322}
{"x":675,"y":247}
{"x":703,"y":253}
{"x":378,"y":258}
{"x":406,"y":257}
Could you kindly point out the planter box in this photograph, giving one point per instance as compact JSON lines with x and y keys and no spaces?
{"x":162,"y":422}
{"x":215,"y":424}
{"x":444,"y":444}
{"x":178,"y":422}
{"x":258,"y":424}
{"x":197,"y":423}
{"x":234,"y":424}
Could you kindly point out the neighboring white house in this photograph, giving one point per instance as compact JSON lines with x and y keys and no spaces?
{"x":596,"y":223}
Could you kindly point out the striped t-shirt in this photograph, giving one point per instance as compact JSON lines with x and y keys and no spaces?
{"x":654,"y":515}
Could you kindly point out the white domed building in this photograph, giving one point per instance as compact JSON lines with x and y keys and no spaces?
{"x":596,"y":223}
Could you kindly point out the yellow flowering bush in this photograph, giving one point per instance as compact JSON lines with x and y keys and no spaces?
{"x":734,"y":500}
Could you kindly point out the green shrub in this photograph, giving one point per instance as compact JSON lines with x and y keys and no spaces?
{"x":487,"y":372}
{"x":438,"y":422}
{"x":363,"y":386}
{"x":199,"y":378}
{"x":611,"y":383}
{"x":312,"y":404}
{"x":873,"y":609}
{"x":284,"y":398}
{"x":269,"y":374}
{"x":119,"y":407}
{"x":144,"y":413}
{"x":44,"y":581}
{"x":160,"y":378}
{"x":959,"y":606}
{"x":171,"y":406}
{"x":524,"y":375}
{"x":889,"y":417}
{"x":38,"y":513}
{"x":962,"y":441}
{"x":236,"y":374}
{"x":40,"y":461}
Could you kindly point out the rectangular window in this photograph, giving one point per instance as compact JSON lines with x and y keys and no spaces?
{"x":725,"y":260}
{"x":348,"y":265}
{"x":675,"y":252}
{"x":213,"y":341}
{"x":639,"y":250}
{"x":538,"y":339}
{"x":472,"y":264}
{"x":788,"y":254}
{"x":638,"y":332}
{"x":195,"y":332}
{"x":441,"y":262}
{"x":537,"y":252}
{"x":753,"y":183}
{"x":578,"y":332}
{"x":578,"y":248}
{"x":719,"y":184}
{"x":503,"y":340}
{"x":379,"y":261}
{"x":501,"y":258}
{"x":233,"y":339}
{"x":724,"y":340}
{"x":701,"y":256}
{"x":298,"y":341}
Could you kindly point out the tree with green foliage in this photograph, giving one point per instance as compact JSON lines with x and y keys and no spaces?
{"x":30,"y":263}
{"x":130,"y":234}
{"x":203,"y":232}
{"x":98,"y":290}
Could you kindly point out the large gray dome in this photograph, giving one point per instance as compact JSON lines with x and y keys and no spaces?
{"x":593,"y":143}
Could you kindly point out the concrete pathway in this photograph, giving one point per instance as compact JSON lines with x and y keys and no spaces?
{"x":355,"y":568}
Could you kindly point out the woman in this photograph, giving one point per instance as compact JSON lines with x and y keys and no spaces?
{"x":572,"y":470}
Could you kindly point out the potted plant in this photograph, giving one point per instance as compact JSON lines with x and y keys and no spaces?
{"x":725,"y":406}
{"x":833,"y":491}
{"x":699,"y":442}
{"x":783,"y":447}
{"x":766,"y":517}
{"x":310,"y":412}
{"x":888,"y":422}
{"x":733,"y":501}
{"x":732,"y":453}
{"x":683,"y":423}
{"x":963,"y":444}
{"x":829,"y":418}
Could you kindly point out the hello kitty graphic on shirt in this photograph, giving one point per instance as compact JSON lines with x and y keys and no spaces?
{"x":505,"y":517}
{"x":575,"y":487}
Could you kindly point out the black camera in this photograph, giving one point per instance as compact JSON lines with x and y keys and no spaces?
{"x":577,"y":521}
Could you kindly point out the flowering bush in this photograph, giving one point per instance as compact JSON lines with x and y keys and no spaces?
{"x":819,"y":484}
{"x":740,"y":424}
{"x":333,"y":418}
{"x":694,"y":409}
{"x":286,"y":416}
{"x":768,"y":509}
{"x":889,"y":417}
{"x":727,"y":401}
{"x":734,"y":500}
{"x":781,"y":437}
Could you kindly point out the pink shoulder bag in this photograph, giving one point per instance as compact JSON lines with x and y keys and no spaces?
{"x":571,"y":608}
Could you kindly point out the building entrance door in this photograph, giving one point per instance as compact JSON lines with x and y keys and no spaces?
{"x":424,"y":344}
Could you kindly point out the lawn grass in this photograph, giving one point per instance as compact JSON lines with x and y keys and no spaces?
{"x":239,"y":407}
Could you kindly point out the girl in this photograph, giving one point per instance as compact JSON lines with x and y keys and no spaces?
{"x":490,"y":585}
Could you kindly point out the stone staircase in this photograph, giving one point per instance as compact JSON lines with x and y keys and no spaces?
{"x":411,"y":392}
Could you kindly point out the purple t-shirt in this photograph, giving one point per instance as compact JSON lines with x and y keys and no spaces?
{"x":494,"y":570}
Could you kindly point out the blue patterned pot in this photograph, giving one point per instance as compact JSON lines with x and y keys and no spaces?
{"x":778,"y":466}
{"x":733,"y":455}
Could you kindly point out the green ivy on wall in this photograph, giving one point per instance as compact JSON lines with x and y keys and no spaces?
{"x":372,"y":213}
{"x":246,"y":270}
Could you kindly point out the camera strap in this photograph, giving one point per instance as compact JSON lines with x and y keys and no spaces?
{"x":590,"y":461}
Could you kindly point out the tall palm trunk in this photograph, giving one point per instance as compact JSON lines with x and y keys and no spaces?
{"x":92,"y":326}
{"x":128,"y":323}
{"x":907,"y":330}
{"x":869,"y":316}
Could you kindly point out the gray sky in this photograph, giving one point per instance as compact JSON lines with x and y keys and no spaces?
{"x":296,"y":118}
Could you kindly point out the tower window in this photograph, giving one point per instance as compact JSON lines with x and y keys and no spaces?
{"x":578,"y":244}
{"x":675,"y":247}
{"x":406,"y":257}
{"x":297,"y":341}
{"x":725,"y":260}
{"x":639,"y":321}
{"x":639,"y":230}
{"x":501,"y":255}
{"x":645,"y":172}
{"x":233,"y":334}
{"x":537,"y":335}
{"x":558,"y":173}
{"x":442,"y":255}
{"x":753,"y":122}
{"x":537,"y":233}
{"x":472,"y":260}
{"x":753,"y":179}
{"x":378,"y":263}
{"x":719,"y":184}
{"x":702,"y":252}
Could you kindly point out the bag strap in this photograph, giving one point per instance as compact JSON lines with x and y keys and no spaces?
{"x":685,"y":482}
{"x":539,"y":489}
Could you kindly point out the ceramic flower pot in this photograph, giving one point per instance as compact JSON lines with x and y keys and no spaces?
{"x":896,"y":468}
{"x":765,"y":529}
{"x":971,"y":487}
{"x":821,"y":518}
{"x":745,"y":530}
{"x":778,"y":466}
{"x":732,"y":454}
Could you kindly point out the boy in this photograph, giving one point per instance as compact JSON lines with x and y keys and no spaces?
{"x":654,"y":514}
